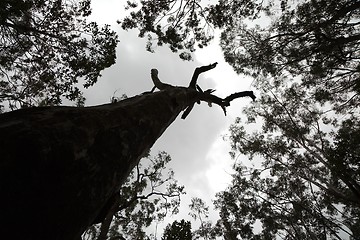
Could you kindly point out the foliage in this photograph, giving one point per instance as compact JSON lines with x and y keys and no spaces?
{"x":315,"y":41}
{"x":302,"y":178}
{"x":178,"y":231}
{"x":199,"y":210}
{"x":182,"y":25}
{"x":300,"y":182}
{"x":185,"y":25}
{"x":46,"y":47}
{"x":147,"y":196}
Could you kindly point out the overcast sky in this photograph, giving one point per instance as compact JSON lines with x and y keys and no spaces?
{"x":199,"y":154}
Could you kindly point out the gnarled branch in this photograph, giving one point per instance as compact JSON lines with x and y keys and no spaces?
{"x":197,"y":73}
{"x":201,"y":95}
{"x":223,"y":103}
{"x":158,"y":84}
{"x":210,"y":98}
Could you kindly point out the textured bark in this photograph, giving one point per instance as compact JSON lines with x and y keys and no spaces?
{"x":60,"y":166}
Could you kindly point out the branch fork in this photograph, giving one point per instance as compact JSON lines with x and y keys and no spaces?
{"x":201,"y":95}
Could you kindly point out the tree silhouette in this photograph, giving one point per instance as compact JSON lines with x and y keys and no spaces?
{"x":178,"y":231}
{"x":62,"y":166}
{"x":47,"y":48}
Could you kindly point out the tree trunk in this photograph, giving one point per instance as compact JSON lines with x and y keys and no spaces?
{"x":61,"y":166}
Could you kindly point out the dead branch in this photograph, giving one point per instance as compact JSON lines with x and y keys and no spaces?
{"x":197,"y":73}
{"x":206,"y":96}
{"x":223,"y":103}
{"x":240,"y":94}
{"x":158,"y":84}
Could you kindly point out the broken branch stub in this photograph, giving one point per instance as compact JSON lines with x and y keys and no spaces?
{"x":158,"y":84}
{"x":201,"y":95}
{"x":198,"y":71}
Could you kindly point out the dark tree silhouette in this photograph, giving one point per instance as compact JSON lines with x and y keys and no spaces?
{"x":178,"y":231}
{"x":61,"y":166}
{"x":48,"y":48}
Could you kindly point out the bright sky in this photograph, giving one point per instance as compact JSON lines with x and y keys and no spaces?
{"x":199,"y":154}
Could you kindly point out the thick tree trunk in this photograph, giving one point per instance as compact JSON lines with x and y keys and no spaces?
{"x":60,"y":165}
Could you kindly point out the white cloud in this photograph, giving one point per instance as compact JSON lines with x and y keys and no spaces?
{"x":219,"y":172}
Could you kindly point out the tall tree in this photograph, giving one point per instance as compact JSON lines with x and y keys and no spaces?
{"x":63,"y":166}
{"x":47,"y":48}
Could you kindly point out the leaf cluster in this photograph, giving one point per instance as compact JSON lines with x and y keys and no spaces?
{"x":46,"y":47}
{"x":182,"y":25}
{"x":316,"y":41}
{"x":200,"y":211}
{"x":178,"y":231}
{"x":300,"y":179}
{"x":185,"y":25}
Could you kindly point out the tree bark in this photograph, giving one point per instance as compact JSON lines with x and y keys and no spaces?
{"x":60,"y":166}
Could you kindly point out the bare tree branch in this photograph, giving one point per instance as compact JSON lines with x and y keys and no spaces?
{"x":197,"y":73}
{"x":240,"y":94}
{"x":201,"y":95}
{"x":158,"y":84}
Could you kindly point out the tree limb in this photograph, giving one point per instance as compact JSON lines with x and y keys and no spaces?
{"x":223,"y":103}
{"x":240,"y":94}
{"x":200,"y":95}
{"x":197,"y":73}
{"x":187,"y":111}
{"x":160,"y":85}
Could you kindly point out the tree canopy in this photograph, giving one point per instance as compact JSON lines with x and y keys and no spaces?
{"x":317,"y":41}
{"x":47,"y":48}
{"x":298,"y":184}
